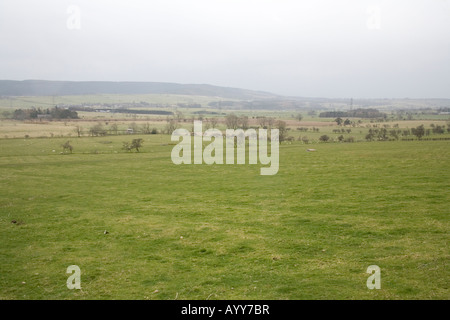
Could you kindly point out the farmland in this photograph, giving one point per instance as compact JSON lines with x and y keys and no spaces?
{"x":140,"y":227}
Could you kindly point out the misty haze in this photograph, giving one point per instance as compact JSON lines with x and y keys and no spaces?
{"x":225,"y":150}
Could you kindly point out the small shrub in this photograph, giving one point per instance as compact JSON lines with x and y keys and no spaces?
{"x":324,"y":138}
{"x":350,"y":139}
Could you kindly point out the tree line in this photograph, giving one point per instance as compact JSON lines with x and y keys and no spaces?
{"x":53,"y":113}
{"x":357,"y":113}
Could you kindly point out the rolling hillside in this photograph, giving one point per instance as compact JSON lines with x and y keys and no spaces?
{"x":49,"y":88}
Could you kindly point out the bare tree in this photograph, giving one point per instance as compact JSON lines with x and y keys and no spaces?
{"x":214,"y":122}
{"x":243,"y":122}
{"x":97,"y":130}
{"x":305,"y":139}
{"x":67,"y":146}
{"x":146,"y":128}
{"x":232,"y":121}
{"x":114,"y":128}
{"x":179,"y":115}
{"x":78,"y":130}
{"x":270,"y":122}
{"x":171,"y":125}
{"x":135,"y":144}
{"x":262,"y":121}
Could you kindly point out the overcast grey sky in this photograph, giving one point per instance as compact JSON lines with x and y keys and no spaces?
{"x":312,"y":48}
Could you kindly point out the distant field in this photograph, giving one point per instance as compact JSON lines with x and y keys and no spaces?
{"x":50,"y":101}
{"x":324,"y":126}
{"x":221,"y":231}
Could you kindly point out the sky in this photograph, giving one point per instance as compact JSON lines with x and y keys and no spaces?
{"x":310,"y":48}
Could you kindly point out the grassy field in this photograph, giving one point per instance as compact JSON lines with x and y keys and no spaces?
{"x":50,"y":101}
{"x":221,"y":231}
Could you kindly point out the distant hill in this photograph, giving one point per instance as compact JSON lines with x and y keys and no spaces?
{"x":60,"y":88}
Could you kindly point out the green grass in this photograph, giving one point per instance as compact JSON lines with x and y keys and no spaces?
{"x":223,"y":231}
